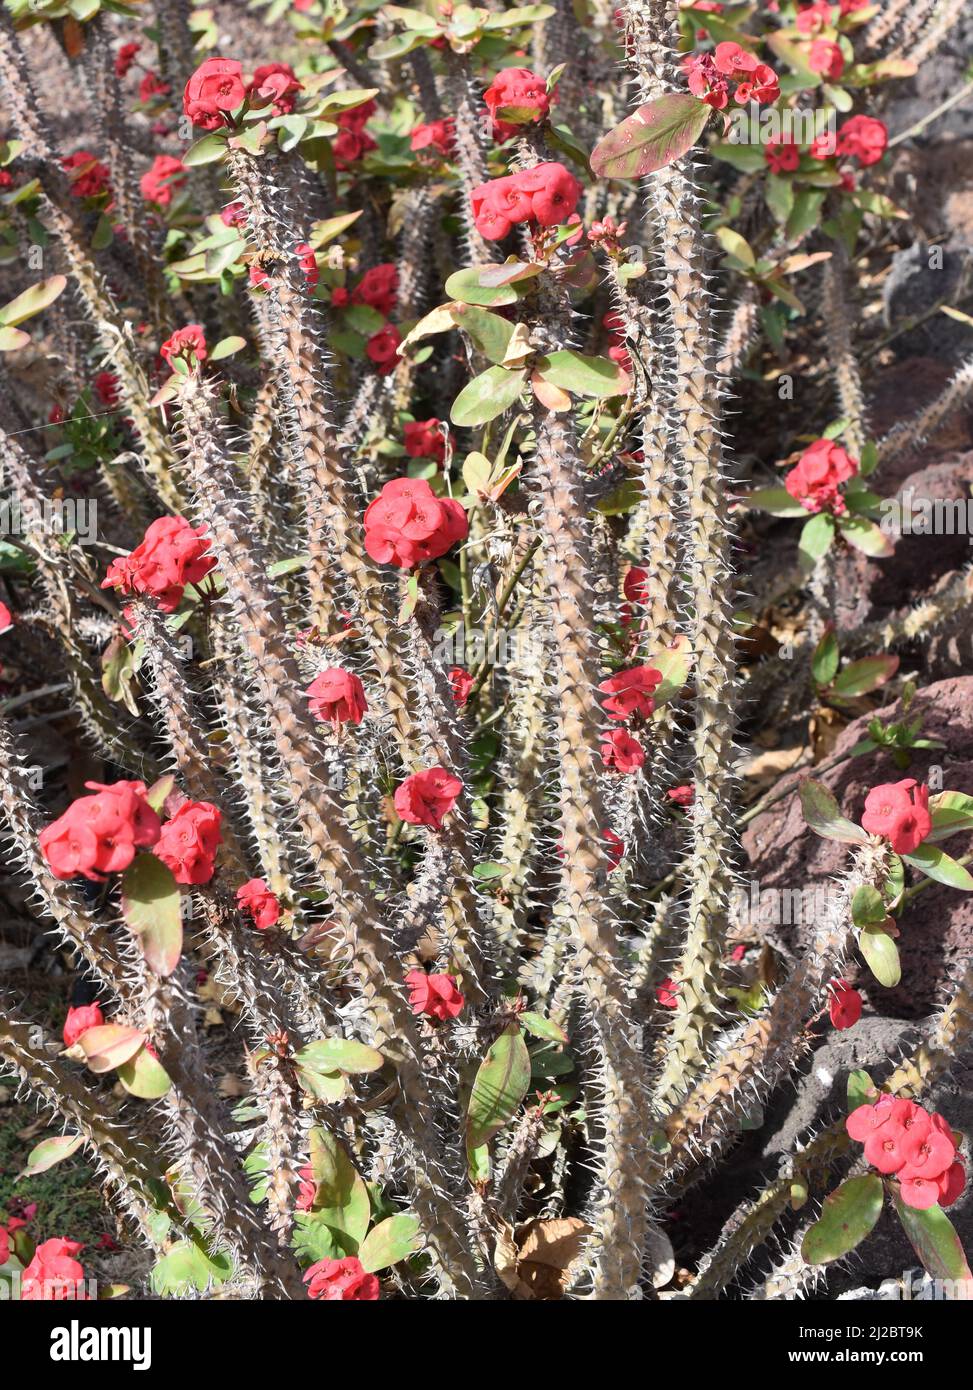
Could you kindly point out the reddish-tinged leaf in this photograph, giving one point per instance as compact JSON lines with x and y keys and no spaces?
{"x":651,"y":137}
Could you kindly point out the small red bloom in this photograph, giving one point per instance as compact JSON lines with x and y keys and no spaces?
{"x":845,"y":1006}
{"x":189,"y":842}
{"x":782,"y":156}
{"x":899,"y":811}
{"x":108,"y":389}
{"x":377,"y":288}
{"x":515,"y":97}
{"x":814,"y":17}
{"x":307,"y":1189}
{"x":682,"y":796}
{"x":434,"y":135}
{"x":425,"y":439}
{"x":341,"y":1280}
{"x":79,"y":1020}
{"x":53,"y":1273}
{"x":705,"y":81}
{"x":308,"y":262}
{"x":636,"y":585}
{"x":340,"y":297}
{"x":826,"y":58}
{"x":630,"y":692}
{"x":187,"y":343}
{"x":382,"y":349}
{"x":863,"y":138}
{"x":621,"y":752}
{"x":89,"y":177}
{"x":547,"y":194}
{"x":275,"y":82}
{"x":435,"y":995}
{"x":6,"y":618}
{"x":152,"y":86}
{"x":816,"y":480}
{"x":407,"y":523}
{"x":668,"y":994}
{"x":125,"y":57}
{"x":616,"y":849}
{"x":165,"y":177}
{"x":337,"y":696}
{"x":460,"y":684}
{"x":427,"y":796}
{"x":951,"y":1184}
{"x":257,"y":899}
{"x":234,"y":215}
{"x":215,"y":89}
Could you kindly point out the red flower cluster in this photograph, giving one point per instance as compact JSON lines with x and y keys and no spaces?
{"x":89,"y":178}
{"x":152,"y":86}
{"x":630,"y":692}
{"x":382,"y":349}
{"x":353,"y":141}
{"x":341,"y":1280}
{"x":79,"y":1020}
{"x":424,"y":439}
{"x":845,"y":1005}
{"x":407,"y":523}
{"x":337,"y":697}
{"x":621,"y":752}
{"x":899,"y":812}
{"x":667,"y":993}
{"x":708,"y":77}
{"x":274,"y":82}
{"x":438,"y":136}
{"x":682,"y":796}
{"x":189,"y":841}
{"x":257,"y":899}
{"x":54,"y":1274}
{"x":813,"y":18}
{"x":215,"y":89}
{"x":516,"y":97}
{"x":377,"y":288}
{"x":171,"y":555}
{"x":435,"y":995}
{"x":427,"y":796}
{"x":920,"y":1149}
{"x":166,"y":175}
{"x":187,"y":343}
{"x":817,"y":478}
{"x":98,"y":835}
{"x":547,"y":194}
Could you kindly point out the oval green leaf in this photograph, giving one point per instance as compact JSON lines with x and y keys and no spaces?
{"x":500,"y":1086}
{"x":487,"y":396}
{"x":392,"y":1240}
{"x":651,"y":137}
{"x":847,"y":1217}
{"x":151,"y":907}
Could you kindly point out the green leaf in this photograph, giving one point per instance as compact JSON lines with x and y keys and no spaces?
{"x":673,"y":664}
{"x":868,"y":907}
{"x":542,"y":1027}
{"x":823,"y":815}
{"x":500,"y":1086}
{"x":341,"y":1199}
{"x":487,"y":396}
{"x":186,"y":1267}
{"x":49,"y":1152}
{"x":109,"y":1046}
{"x":861,"y":677}
{"x":464,"y":285}
{"x":935,"y":1241}
{"x":847,"y":1217}
{"x":776,"y":500}
{"x":151,"y":907}
{"x":827,"y":655}
{"x":330,"y":227}
{"x":226,"y":347}
{"x":951,"y":812}
{"x":865,"y":536}
{"x":652,"y":137}
{"x":817,"y":536}
{"x":340,"y":1054}
{"x":805,"y":213}
{"x":517,"y":16}
{"x":861,"y":1090}
{"x":937,"y":864}
{"x":736,"y":246}
{"x":881,"y":956}
{"x":144,"y":1076}
{"x":585,"y":376}
{"x":489,"y":872}
{"x":32,"y":301}
{"x":205,"y":151}
{"x":392,"y":1240}
{"x":490,"y":333}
